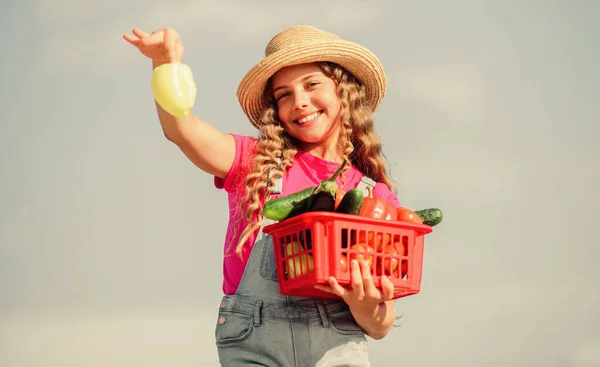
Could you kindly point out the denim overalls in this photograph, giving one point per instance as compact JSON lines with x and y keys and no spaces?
{"x":258,"y":326}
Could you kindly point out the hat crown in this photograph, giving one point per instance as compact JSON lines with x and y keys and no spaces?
{"x":298,"y":35}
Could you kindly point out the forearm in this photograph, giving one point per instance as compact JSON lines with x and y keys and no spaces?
{"x":206,"y":146}
{"x":173,"y":127}
{"x":376,"y":323}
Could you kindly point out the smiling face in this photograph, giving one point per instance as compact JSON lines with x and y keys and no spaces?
{"x":308,"y":106}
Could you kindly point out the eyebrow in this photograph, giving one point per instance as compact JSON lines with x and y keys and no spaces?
{"x":311,"y":75}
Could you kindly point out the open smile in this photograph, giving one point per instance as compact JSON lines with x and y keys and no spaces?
{"x":308,"y":118}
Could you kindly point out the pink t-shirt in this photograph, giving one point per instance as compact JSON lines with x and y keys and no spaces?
{"x":307,"y":170}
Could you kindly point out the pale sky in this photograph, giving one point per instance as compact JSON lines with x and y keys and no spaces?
{"x":111,"y":240}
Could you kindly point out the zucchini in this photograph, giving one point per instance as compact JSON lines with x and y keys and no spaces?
{"x":351,"y":202}
{"x":287,"y":206}
{"x":430,"y":216}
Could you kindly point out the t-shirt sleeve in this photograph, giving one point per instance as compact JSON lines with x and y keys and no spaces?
{"x":244,"y":149}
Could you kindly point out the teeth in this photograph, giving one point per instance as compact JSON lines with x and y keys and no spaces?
{"x":308,"y":118}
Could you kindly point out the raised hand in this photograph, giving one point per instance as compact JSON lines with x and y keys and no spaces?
{"x":162,"y":46}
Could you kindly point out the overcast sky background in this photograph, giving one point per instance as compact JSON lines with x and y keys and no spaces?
{"x":111,"y":241}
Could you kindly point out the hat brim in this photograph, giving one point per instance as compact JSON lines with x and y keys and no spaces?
{"x":358,"y":60}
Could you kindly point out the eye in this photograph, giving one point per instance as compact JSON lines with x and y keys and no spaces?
{"x":277,"y":98}
{"x":311,"y":84}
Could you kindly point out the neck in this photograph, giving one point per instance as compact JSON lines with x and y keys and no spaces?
{"x":328,"y":148}
{"x":329,"y":153}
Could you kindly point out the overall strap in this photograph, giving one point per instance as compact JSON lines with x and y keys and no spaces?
{"x":278,"y":182}
{"x":277,"y":189}
{"x":364,"y":183}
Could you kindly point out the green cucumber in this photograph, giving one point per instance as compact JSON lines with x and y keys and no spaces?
{"x":431,"y":216}
{"x":351,"y":202}
{"x":287,"y":206}
{"x":320,"y":198}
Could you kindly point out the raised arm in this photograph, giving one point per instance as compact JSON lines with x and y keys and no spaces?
{"x":208,"y":148}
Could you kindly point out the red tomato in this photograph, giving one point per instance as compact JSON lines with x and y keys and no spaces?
{"x":361,"y":254}
{"x":390,"y":263}
{"x":407,"y":215}
{"x":394,"y":266}
{"x":403,"y":251}
{"x":376,"y":241}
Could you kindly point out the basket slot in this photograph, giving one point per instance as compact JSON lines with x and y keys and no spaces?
{"x":297,"y":259}
{"x":361,"y":252}
{"x":391,"y":254}
{"x":375,"y":246}
{"x":344,"y":262}
{"x":306,"y":239}
{"x":400,"y":244}
{"x":346,"y":236}
{"x":374,"y":239}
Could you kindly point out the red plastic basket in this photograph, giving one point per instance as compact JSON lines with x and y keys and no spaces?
{"x":310,"y":248}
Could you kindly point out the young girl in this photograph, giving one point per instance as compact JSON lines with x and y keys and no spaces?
{"x":311,"y":98}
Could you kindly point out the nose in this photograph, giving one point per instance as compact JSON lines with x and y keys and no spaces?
{"x":300,"y":100}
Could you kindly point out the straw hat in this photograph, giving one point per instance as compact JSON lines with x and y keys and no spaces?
{"x":305,"y":44}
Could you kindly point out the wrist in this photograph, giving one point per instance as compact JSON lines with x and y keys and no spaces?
{"x":373,"y":313}
{"x":157,"y":63}
{"x":374,"y":321}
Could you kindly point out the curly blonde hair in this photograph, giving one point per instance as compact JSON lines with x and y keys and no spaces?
{"x":358,"y":142}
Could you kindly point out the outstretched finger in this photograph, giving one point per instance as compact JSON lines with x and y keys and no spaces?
{"x":139,"y":33}
{"x":131,"y":39}
{"x":356,"y":279}
{"x":333,"y":287}
{"x":367,"y":280}
{"x":336,"y":287}
{"x":153,"y":39}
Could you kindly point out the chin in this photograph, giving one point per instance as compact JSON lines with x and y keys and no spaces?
{"x":313,"y":135}
{"x":310,"y":139}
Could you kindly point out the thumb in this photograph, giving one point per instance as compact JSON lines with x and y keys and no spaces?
{"x":337,"y":288}
{"x":387,"y":288}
